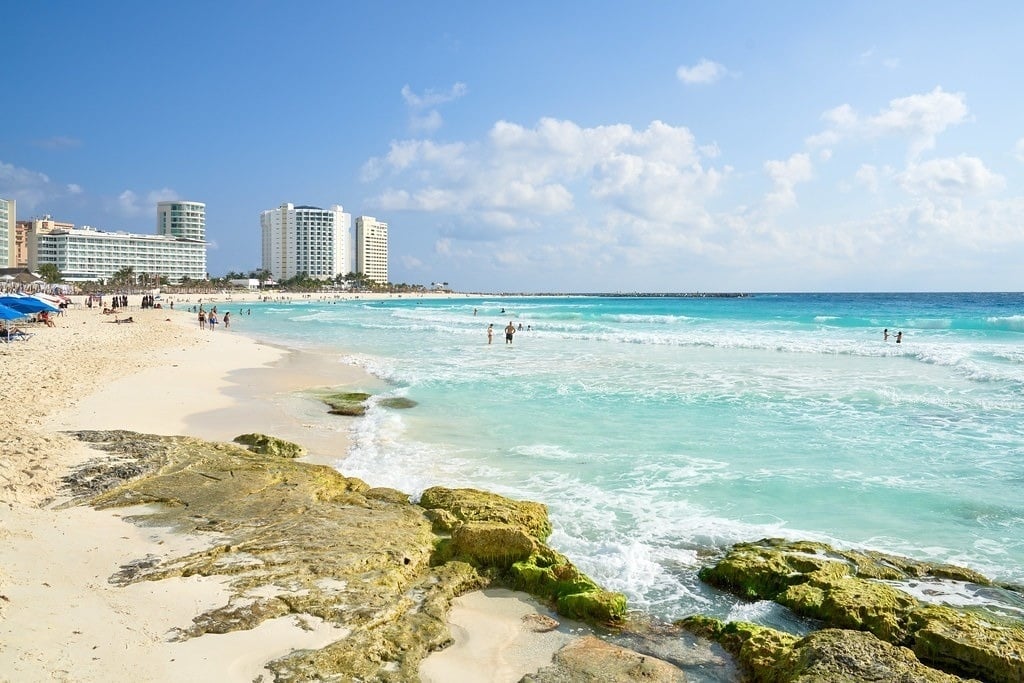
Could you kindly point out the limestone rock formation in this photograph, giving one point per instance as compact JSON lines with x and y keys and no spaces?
{"x":592,"y":659}
{"x":852,"y":590}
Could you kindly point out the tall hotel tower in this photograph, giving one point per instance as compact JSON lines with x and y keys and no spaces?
{"x":306,"y":239}
{"x":372,"y":249}
{"x":184,"y":220}
{"x":8,"y":219}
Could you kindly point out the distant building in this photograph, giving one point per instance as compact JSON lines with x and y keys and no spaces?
{"x":8,"y":220}
{"x":182,"y":219}
{"x":25,"y":230}
{"x":177,"y":251}
{"x":90,"y":254}
{"x":372,"y":249}
{"x":306,"y":239}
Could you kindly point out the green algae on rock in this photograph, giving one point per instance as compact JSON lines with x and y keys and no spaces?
{"x":505,"y":538}
{"x":847,"y":589}
{"x":398,"y":403}
{"x":351,"y":403}
{"x":270,"y":445}
{"x":829,"y":655}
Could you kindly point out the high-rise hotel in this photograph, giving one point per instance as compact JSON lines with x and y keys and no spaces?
{"x":308,"y":240}
{"x":372,"y":249}
{"x":177,"y":251}
{"x":8,"y":218}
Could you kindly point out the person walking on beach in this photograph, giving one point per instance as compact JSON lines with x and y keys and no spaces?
{"x":490,"y":333}
{"x":202,"y":318}
{"x":510,"y":330}
{"x":227,"y":314}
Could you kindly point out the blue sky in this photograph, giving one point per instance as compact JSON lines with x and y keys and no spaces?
{"x":545,"y":147}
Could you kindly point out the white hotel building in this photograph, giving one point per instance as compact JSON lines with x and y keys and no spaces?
{"x":306,"y":239}
{"x":8,"y":219}
{"x":372,"y":249}
{"x":177,"y":252}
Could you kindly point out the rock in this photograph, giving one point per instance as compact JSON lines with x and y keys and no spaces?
{"x":829,"y":655}
{"x":482,"y":506}
{"x":844,"y":589}
{"x":270,"y":445}
{"x":351,"y":403}
{"x":491,"y":544}
{"x":294,"y":538}
{"x":398,"y":403}
{"x":969,"y":644}
{"x":491,"y":531}
{"x":592,"y":659}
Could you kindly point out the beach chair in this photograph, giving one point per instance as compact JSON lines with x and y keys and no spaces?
{"x":17,"y":334}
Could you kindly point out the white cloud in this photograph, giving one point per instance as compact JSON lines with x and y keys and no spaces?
{"x":786,"y":175}
{"x":956,"y":177}
{"x":129,"y":204}
{"x":432,"y":98}
{"x":918,"y":118}
{"x":703,"y":72}
{"x":28,"y":188}
{"x":74,"y":188}
{"x":867,"y":175}
{"x":423,"y":115}
{"x":519,"y":174}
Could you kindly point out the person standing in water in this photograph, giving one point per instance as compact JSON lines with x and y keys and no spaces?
{"x":899,"y":336}
{"x":510,"y":330}
{"x":490,"y":332}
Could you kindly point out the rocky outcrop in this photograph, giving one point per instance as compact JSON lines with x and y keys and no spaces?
{"x":826,"y":655}
{"x":351,"y":403}
{"x":270,"y":445}
{"x":592,"y":659}
{"x":487,"y":530}
{"x":852,"y":590}
{"x":302,"y":540}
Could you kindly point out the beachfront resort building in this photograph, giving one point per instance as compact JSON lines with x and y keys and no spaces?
{"x":8,"y":219}
{"x":372,"y":249}
{"x":176,"y":252}
{"x":34,"y":226}
{"x":181,"y":219}
{"x":83,"y":254}
{"x":307,"y":240}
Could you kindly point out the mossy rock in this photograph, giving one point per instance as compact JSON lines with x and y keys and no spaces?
{"x":826,"y":656}
{"x":986,"y":648}
{"x":591,"y":659}
{"x":270,"y":445}
{"x":398,"y":403}
{"x":491,"y":544}
{"x":597,"y":605}
{"x":349,"y":403}
{"x":847,"y":590}
{"x":472,"y":505}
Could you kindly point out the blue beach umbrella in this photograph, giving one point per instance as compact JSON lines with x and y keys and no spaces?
{"x":8,"y":313}
{"x":27,"y":304}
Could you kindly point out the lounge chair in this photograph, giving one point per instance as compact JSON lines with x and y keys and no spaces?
{"x":15,"y":334}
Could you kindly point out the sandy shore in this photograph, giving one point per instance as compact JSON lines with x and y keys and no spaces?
{"x":60,"y":618}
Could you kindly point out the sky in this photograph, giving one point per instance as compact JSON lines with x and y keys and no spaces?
{"x":571,"y":146}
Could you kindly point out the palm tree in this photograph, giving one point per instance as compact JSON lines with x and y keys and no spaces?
{"x":50,"y":272}
{"x":124,"y":276}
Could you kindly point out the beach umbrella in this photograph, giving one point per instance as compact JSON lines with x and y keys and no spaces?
{"x":27,"y":304}
{"x":8,"y":313}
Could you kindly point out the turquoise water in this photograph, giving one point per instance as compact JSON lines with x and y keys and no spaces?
{"x":660,"y":430}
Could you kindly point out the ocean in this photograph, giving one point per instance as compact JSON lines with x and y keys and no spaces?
{"x":660,"y":430}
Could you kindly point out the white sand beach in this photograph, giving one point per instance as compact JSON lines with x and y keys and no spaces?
{"x":60,"y":617}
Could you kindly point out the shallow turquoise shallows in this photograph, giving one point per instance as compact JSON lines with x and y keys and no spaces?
{"x":660,"y":430}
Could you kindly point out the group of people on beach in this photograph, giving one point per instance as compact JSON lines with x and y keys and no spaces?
{"x":899,"y":336}
{"x":210,"y":319}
